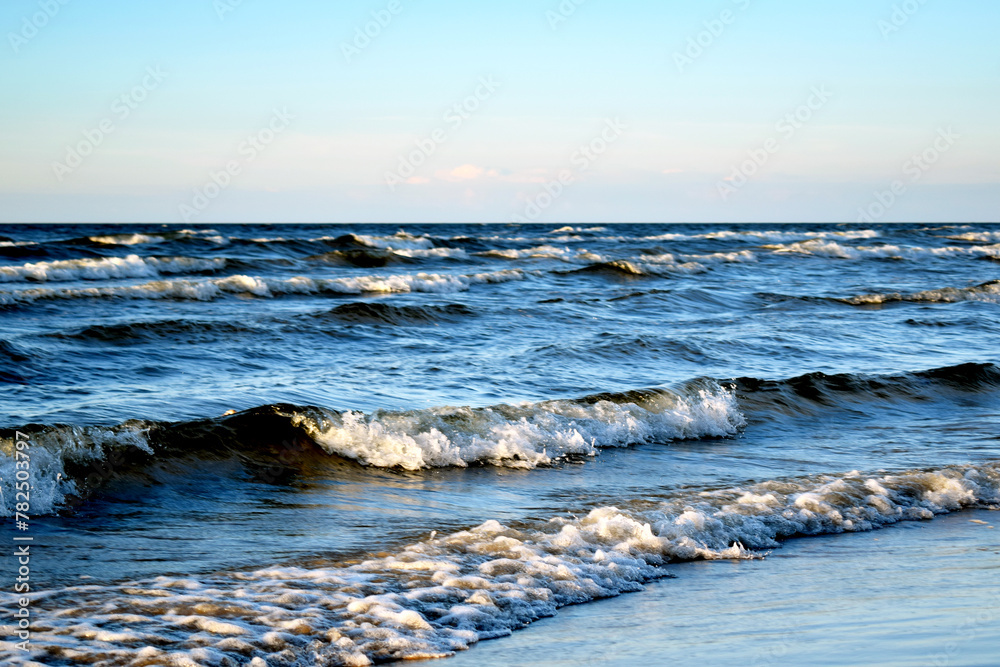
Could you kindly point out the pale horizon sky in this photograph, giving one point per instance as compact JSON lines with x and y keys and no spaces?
{"x":299,"y":120}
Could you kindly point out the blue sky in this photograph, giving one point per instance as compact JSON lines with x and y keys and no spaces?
{"x":201,"y":143}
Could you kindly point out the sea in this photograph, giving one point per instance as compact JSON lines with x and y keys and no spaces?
{"x":619,"y":444}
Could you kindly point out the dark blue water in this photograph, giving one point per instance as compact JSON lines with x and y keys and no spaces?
{"x":271,"y":442}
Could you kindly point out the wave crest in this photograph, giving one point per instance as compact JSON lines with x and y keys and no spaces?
{"x":105,"y":268}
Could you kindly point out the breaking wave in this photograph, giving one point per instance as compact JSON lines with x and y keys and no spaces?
{"x":525,"y":435}
{"x":989,"y":291}
{"x":105,"y":268}
{"x":444,"y":593}
{"x":207,"y":290}
{"x":519,"y":436}
{"x":825,"y":248}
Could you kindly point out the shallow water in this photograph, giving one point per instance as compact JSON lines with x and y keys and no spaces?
{"x":723,"y":388}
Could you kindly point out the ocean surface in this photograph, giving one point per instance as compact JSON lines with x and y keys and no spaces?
{"x":344,"y":445}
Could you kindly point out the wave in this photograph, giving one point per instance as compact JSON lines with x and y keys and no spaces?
{"x":775,"y":236}
{"x":398,"y":241}
{"x":665,"y":264}
{"x":519,"y":436}
{"x":148,"y":238}
{"x":832,"y":249}
{"x":443,"y":594}
{"x":131,"y":332}
{"x":543,"y":252}
{"x":525,"y":435}
{"x":578,"y":230}
{"x":383,"y":313}
{"x":977,"y":237}
{"x":369,"y":258}
{"x":394,"y":242}
{"x":988,"y":291}
{"x":208,"y":290}
{"x":12,"y":361}
{"x":692,"y":262}
{"x":106,"y":268}
{"x":618,"y":267}
{"x":363,"y":258}
{"x":622,"y":268}
{"x":804,"y":393}
{"x":10,"y":353}
{"x":125,"y":239}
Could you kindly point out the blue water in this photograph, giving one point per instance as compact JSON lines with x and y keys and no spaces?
{"x":252,"y":424}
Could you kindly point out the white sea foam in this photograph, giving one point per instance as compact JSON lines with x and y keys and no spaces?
{"x":441,"y":595}
{"x":397,"y":241}
{"x":822,"y":248}
{"x":105,"y":268}
{"x":524,"y":435}
{"x":143,"y":239}
{"x":207,"y":290}
{"x":545,"y":252}
{"x":977,"y":237}
{"x":126,"y":239}
{"x":713,"y":258}
{"x":440,"y":253}
{"x":773,"y":236}
{"x":576,"y":230}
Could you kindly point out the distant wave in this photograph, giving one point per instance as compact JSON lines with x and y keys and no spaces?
{"x":207,"y":290}
{"x":824,"y":248}
{"x":369,"y":258}
{"x":543,"y":252}
{"x":442,"y":594}
{"x":619,"y":267}
{"x":148,"y":238}
{"x":663,"y":266}
{"x":105,"y":268}
{"x":770,"y":235}
{"x":384,"y":313}
{"x":989,"y":291}
{"x":131,"y":332}
{"x":977,"y":237}
{"x":211,"y":238}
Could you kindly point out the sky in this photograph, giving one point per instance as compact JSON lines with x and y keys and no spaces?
{"x":209,"y":111}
